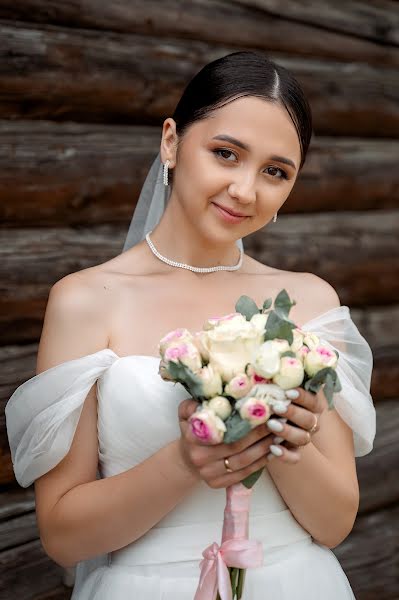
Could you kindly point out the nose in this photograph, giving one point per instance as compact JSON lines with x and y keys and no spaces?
{"x":243,"y":189}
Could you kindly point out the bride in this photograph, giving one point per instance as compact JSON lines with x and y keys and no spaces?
{"x":123,"y":491}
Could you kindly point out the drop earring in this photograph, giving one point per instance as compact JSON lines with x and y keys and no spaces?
{"x":275,"y":218}
{"x":165,"y":172}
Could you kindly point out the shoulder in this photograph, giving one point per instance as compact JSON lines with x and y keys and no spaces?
{"x":324,"y":296}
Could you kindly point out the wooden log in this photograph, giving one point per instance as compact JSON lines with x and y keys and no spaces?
{"x":68,"y":173}
{"x":84,"y":75}
{"x":244,"y":25}
{"x":370,"y":556}
{"x":377,"y":21}
{"x":377,"y":471}
{"x":26,"y":572}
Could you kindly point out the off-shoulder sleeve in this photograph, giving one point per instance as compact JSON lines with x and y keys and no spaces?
{"x":43,"y":413}
{"x":355,"y":364}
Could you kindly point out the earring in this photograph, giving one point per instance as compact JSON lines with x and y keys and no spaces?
{"x":165,"y":172}
{"x":275,"y":218}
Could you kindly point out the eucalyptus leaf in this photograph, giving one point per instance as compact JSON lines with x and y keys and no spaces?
{"x":236,"y":428}
{"x":247,"y":307}
{"x":182,"y":373}
{"x":252,"y":479}
{"x":283,"y":304}
{"x":267,"y":304}
{"x":288,"y":353}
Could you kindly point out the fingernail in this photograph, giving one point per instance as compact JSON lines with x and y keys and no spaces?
{"x":276,"y":450}
{"x":274,"y":425}
{"x":280,"y":408}
{"x":277,"y":439}
{"x":292,"y":394}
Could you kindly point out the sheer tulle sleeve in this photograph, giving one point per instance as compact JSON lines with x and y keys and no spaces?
{"x":354,"y":402}
{"x":43,"y":413}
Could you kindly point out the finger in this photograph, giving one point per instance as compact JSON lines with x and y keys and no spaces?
{"x":239,"y":461}
{"x":186,"y":408}
{"x":301,"y":417}
{"x":313,"y":402}
{"x":237,"y":476}
{"x":279,"y":452}
{"x":294,"y":435}
{"x":253,"y":436}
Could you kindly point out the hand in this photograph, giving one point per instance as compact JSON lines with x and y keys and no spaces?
{"x":302,"y":413}
{"x":247,"y":455}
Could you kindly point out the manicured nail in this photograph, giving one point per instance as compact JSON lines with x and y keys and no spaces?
{"x":275,"y":425}
{"x":277,"y":439}
{"x":280,"y":408}
{"x":292,"y":394}
{"x":276,"y":450}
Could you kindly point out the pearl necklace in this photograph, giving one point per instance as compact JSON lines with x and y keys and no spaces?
{"x":173,"y":263}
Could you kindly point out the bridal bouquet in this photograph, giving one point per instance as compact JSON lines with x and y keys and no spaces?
{"x":238,"y":368}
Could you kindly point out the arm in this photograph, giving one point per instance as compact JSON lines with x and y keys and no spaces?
{"x":321,"y":489}
{"x":79,"y":516}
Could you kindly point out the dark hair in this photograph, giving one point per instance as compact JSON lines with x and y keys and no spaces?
{"x":245,"y":73}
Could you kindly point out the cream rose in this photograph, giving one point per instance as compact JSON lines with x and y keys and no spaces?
{"x":176,"y":335}
{"x":231,"y":346}
{"x":297,"y":342}
{"x":220,"y":406}
{"x":231,"y":318}
{"x":267,"y":359}
{"x":258,"y":320}
{"x":319,"y":358}
{"x":291,"y":373}
{"x":186,"y":352}
{"x":239,"y":386}
{"x":311,"y":340}
{"x":211,"y":381}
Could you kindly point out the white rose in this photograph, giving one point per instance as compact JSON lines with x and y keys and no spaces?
{"x":211,"y":381}
{"x":271,"y":393}
{"x":297,"y":342}
{"x":291,"y":373}
{"x":258,"y":320}
{"x":318,"y":359}
{"x":267,"y":359}
{"x":231,"y":318}
{"x":198,"y":340}
{"x":220,"y":406}
{"x":231,"y":346}
{"x":311,"y":340}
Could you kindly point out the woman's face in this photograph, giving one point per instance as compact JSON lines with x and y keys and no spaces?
{"x":247,"y":174}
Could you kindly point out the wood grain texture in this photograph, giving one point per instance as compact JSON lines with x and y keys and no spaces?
{"x":245,"y":24}
{"x":83,"y":75}
{"x":54,"y":174}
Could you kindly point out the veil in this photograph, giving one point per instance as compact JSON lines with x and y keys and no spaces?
{"x":150,"y":206}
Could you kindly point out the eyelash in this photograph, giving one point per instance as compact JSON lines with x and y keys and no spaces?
{"x":283,"y":173}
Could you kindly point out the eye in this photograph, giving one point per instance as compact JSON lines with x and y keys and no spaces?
{"x":283,"y":174}
{"x":223,"y":150}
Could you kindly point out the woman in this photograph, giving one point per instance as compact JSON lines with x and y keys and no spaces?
{"x":235,"y":144}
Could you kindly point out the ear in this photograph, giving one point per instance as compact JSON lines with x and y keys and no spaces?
{"x":169,"y":140}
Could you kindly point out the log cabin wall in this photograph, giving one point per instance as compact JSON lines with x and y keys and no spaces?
{"x":84,"y":89}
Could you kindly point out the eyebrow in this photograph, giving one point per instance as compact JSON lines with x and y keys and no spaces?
{"x":232,"y":140}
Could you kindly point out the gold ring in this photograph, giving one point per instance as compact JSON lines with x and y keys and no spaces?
{"x":315,"y":424}
{"x":226,"y":464}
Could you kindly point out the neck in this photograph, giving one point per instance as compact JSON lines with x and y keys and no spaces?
{"x":176,"y":239}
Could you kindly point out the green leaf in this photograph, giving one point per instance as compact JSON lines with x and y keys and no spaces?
{"x":267,"y":304}
{"x":330,"y":378}
{"x":283,"y":304}
{"x":236,"y":428}
{"x":247,"y":307}
{"x":288,"y":353}
{"x":252,"y":479}
{"x":192,"y":383}
{"x":277,"y":327}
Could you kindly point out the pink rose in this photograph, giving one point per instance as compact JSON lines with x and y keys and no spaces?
{"x":255,"y":410}
{"x":207,"y":426}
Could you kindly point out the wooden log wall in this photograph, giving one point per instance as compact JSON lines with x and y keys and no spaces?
{"x":84,"y":89}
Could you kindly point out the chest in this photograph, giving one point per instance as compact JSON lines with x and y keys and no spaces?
{"x":148,"y":312}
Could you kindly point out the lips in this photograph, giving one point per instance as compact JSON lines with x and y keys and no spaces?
{"x":235,"y":214}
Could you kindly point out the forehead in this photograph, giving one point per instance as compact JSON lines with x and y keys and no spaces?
{"x":263,"y":125}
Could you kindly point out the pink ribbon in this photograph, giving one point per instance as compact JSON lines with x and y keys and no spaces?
{"x":215,"y":575}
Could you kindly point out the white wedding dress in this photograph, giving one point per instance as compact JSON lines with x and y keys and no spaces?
{"x":137,"y":415}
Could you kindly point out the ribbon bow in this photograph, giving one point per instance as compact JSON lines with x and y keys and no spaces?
{"x":215,"y":575}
